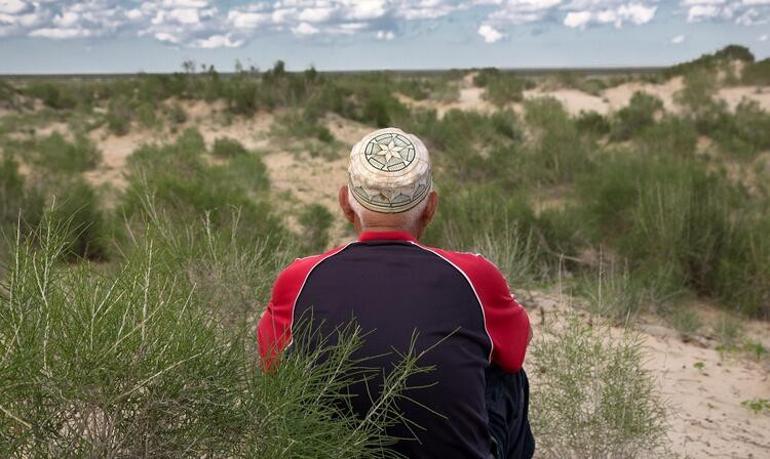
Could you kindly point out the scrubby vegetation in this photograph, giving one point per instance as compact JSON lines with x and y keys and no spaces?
{"x":593,"y":398}
{"x":127,"y":313}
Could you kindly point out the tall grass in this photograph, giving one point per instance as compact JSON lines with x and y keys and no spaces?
{"x":135,"y":362}
{"x":591,"y":396}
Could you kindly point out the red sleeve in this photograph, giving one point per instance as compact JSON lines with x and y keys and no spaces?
{"x":506,"y":321}
{"x":274,"y":328}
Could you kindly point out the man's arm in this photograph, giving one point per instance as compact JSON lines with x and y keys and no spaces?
{"x":505,"y":320}
{"x":274,"y":331}
{"x":275,"y":325}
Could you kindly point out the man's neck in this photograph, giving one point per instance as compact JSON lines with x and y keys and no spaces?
{"x":388,"y":229}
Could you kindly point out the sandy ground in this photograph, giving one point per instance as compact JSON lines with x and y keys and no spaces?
{"x":705,"y":415}
{"x":733,"y":96}
{"x":573,"y":100}
{"x":470,"y":98}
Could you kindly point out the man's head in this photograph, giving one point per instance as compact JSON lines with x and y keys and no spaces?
{"x":389,"y":184}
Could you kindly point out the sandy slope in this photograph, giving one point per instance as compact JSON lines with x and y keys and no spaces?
{"x":705,"y":415}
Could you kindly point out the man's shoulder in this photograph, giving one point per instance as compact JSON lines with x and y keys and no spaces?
{"x":477,"y":268}
{"x":299,"y":269}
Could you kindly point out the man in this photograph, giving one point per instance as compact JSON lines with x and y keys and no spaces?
{"x":457,"y":306}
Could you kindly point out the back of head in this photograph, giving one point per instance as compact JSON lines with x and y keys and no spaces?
{"x":389,"y":178}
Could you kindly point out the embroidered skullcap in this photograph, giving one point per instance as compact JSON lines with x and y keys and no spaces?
{"x":389,"y":171}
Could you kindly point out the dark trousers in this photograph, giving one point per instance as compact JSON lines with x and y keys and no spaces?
{"x":507,"y":407}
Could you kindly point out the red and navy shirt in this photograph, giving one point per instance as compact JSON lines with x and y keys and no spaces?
{"x":457,"y":305}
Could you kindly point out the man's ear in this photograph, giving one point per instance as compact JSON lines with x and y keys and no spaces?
{"x":347,"y":209}
{"x":430,"y":209}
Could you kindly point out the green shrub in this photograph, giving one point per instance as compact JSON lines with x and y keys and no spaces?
{"x":679,"y":227}
{"x":697,"y":95}
{"x":757,"y":73}
{"x":672,"y":136}
{"x":316,"y":221}
{"x":76,"y":210}
{"x":728,"y":330}
{"x":225,"y":147}
{"x":177,"y":180}
{"x":593,"y":123}
{"x":685,"y":320}
{"x":119,"y":116}
{"x":19,"y":203}
{"x":613,"y":292}
{"x":591,"y":396}
{"x":559,"y":153}
{"x":57,"y":155}
{"x":638,"y":115}
{"x":134,"y":362}
{"x":53,"y":95}
{"x":176,"y":114}
{"x":476,"y":211}
{"x":294,"y":125}
{"x":710,"y":62}
{"x":503,"y":88}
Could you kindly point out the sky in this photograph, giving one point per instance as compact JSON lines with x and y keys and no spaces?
{"x":126,"y":36}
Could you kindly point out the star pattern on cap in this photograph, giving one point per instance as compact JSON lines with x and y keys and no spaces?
{"x":390,"y":150}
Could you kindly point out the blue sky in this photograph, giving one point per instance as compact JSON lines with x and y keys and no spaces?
{"x":62,"y":36}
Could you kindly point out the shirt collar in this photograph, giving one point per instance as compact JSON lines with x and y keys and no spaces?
{"x":386,"y":236}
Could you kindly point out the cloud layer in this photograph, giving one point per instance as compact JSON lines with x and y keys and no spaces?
{"x":209,"y":24}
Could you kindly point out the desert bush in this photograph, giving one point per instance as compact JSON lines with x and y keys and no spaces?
{"x":134,"y":363}
{"x":247,"y":172}
{"x":474,"y":211}
{"x":613,"y":292}
{"x":316,"y":221}
{"x":179,"y":181}
{"x":710,"y":62}
{"x":53,"y":95}
{"x":518,"y":256}
{"x":592,"y":122}
{"x":76,"y":210}
{"x":225,"y":147}
{"x":176,"y":114}
{"x":757,"y":73}
{"x":697,"y":96}
{"x":56,"y":154}
{"x":676,"y":224}
{"x":119,"y":116}
{"x":502,"y":88}
{"x":672,"y":135}
{"x":240,"y":94}
{"x":591,"y":396}
{"x":559,"y":152}
{"x":147,"y":116}
{"x":639,"y":114}
{"x":684,"y":320}
{"x":302,"y":126}
{"x":19,"y":204}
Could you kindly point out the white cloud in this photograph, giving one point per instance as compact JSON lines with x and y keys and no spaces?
{"x":763,"y":37}
{"x":490,"y":34}
{"x":742,"y":12}
{"x":166,"y":37}
{"x":59,"y":33}
{"x":304,"y":29}
{"x":13,"y":6}
{"x":205,"y":23}
{"x":248,"y":20}
{"x":577,"y":19}
{"x":678,"y":39}
{"x":219,"y":41}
